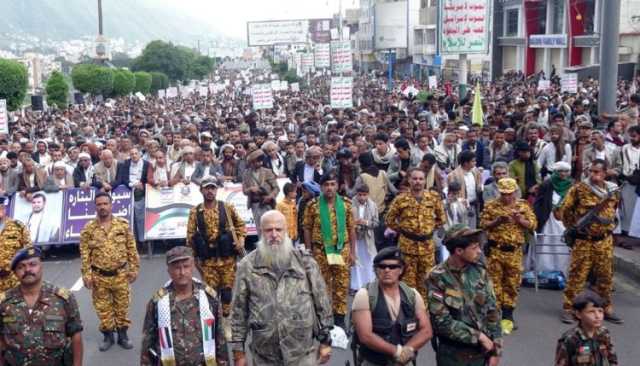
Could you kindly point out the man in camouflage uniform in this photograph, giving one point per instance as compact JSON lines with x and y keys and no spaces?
{"x":593,"y":247}
{"x":14,"y":236}
{"x":39,"y":323}
{"x":414,"y":216}
{"x":589,"y":343}
{"x":217,"y":271}
{"x":333,"y":246}
{"x":281,"y":299}
{"x":464,"y":313}
{"x":186,"y":318}
{"x":110,"y":263}
{"x":507,"y":220}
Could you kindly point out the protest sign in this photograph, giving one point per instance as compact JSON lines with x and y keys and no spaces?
{"x":341,"y":92}
{"x":172,"y":92}
{"x":295,"y":87}
{"x":544,"y":84}
{"x":79,"y":209}
{"x":569,"y":83}
{"x":262,"y":96}
{"x":322,"y":54}
{"x":433,"y":82}
{"x":275,"y":85}
{"x":341,"y":57}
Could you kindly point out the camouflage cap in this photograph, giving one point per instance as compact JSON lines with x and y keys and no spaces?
{"x":458,"y":231}
{"x":179,"y":253}
{"x":23,"y":254}
{"x":210,"y":181}
{"x":507,"y":185}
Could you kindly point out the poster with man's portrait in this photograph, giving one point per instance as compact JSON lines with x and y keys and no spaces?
{"x":42,"y":215}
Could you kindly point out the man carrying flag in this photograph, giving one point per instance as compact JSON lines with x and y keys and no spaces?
{"x":182,"y":323}
{"x":328,"y":226}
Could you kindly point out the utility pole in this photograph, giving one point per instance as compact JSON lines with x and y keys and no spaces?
{"x":609,"y":36}
{"x":99,"y":17}
{"x":101,"y":41}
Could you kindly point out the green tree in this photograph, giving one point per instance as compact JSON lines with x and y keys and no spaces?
{"x":94,"y":79}
{"x":200,"y":67}
{"x":57,"y":90}
{"x":164,"y":57}
{"x":291,"y":77}
{"x":13,"y":83}
{"x":159,"y":81}
{"x":103,"y":79}
{"x":81,"y":77}
{"x":124,"y":82}
{"x":143,"y":82}
{"x":179,"y":63}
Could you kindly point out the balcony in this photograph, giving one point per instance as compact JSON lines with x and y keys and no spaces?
{"x":429,"y":16}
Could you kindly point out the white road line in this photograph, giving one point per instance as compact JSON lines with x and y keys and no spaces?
{"x":77,"y":286}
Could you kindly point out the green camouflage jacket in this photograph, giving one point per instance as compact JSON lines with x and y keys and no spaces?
{"x":462,"y":304}
{"x":38,"y":339}
{"x":284,"y":313}
{"x":576,"y":349}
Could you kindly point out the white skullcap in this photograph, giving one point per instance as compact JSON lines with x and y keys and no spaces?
{"x":59,"y":164}
{"x":84,"y":155}
{"x":561,"y":166}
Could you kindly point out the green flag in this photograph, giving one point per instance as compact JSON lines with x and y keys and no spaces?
{"x":476,"y":114}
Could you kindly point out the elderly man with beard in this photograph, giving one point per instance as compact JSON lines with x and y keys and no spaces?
{"x":280,"y":297}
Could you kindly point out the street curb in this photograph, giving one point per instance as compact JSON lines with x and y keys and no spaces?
{"x":624,"y":264}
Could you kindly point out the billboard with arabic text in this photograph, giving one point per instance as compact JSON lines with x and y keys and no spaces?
{"x":465,"y":26}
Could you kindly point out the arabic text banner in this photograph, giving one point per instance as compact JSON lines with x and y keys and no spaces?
{"x":59,"y":217}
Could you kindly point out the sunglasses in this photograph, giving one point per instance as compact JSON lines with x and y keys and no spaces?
{"x":388,"y":266}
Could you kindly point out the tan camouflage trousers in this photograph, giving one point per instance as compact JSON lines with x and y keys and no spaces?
{"x":505,"y":270}
{"x":8,"y":282}
{"x":111,"y":298}
{"x":336,"y":278}
{"x":590,"y":256}
{"x":417,"y":267}
{"x":219,"y":274}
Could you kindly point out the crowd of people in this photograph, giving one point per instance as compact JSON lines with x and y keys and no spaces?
{"x":397,"y":186}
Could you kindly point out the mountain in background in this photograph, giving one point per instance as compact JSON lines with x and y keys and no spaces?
{"x":132,"y":20}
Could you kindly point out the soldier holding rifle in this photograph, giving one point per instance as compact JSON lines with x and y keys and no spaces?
{"x":260,"y":186}
{"x":595,"y":199}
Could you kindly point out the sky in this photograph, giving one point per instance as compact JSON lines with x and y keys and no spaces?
{"x":230,"y":17}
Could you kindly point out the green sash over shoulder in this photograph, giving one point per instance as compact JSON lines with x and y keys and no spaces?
{"x":332,"y":249}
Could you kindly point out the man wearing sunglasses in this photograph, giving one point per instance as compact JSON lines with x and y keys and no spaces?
{"x":462,"y":304}
{"x":390,"y":318}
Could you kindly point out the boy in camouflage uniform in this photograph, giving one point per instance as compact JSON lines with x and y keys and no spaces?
{"x":589,"y":343}
{"x":464,"y":312}
{"x":40,"y":323}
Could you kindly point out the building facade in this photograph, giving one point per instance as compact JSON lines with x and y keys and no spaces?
{"x":557,"y":35}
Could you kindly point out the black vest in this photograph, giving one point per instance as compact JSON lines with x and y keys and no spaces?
{"x":398,"y":332}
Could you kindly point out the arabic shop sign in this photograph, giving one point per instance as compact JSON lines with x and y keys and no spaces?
{"x":548,"y":41}
{"x":465,"y":26}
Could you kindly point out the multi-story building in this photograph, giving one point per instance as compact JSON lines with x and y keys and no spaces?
{"x":558,"y":35}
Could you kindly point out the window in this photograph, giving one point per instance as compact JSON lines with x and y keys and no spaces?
{"x":588,"y":16}
{"x":512,"y":20}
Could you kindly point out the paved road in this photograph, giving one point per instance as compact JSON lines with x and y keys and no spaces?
{"x":532,"y":345}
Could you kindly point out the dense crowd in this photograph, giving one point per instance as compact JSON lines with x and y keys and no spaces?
{"x":404,"y":169}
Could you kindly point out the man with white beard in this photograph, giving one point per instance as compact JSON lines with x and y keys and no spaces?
{"x":280,"y":298}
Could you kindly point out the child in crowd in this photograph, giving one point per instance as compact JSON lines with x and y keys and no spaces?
{"x":288,"y":208}
{"x":457,"y":210}
{"x":365,"y":214}
{"x":589,"y":343}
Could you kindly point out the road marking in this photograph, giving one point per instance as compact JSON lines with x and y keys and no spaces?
{"x":78,"y":285}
